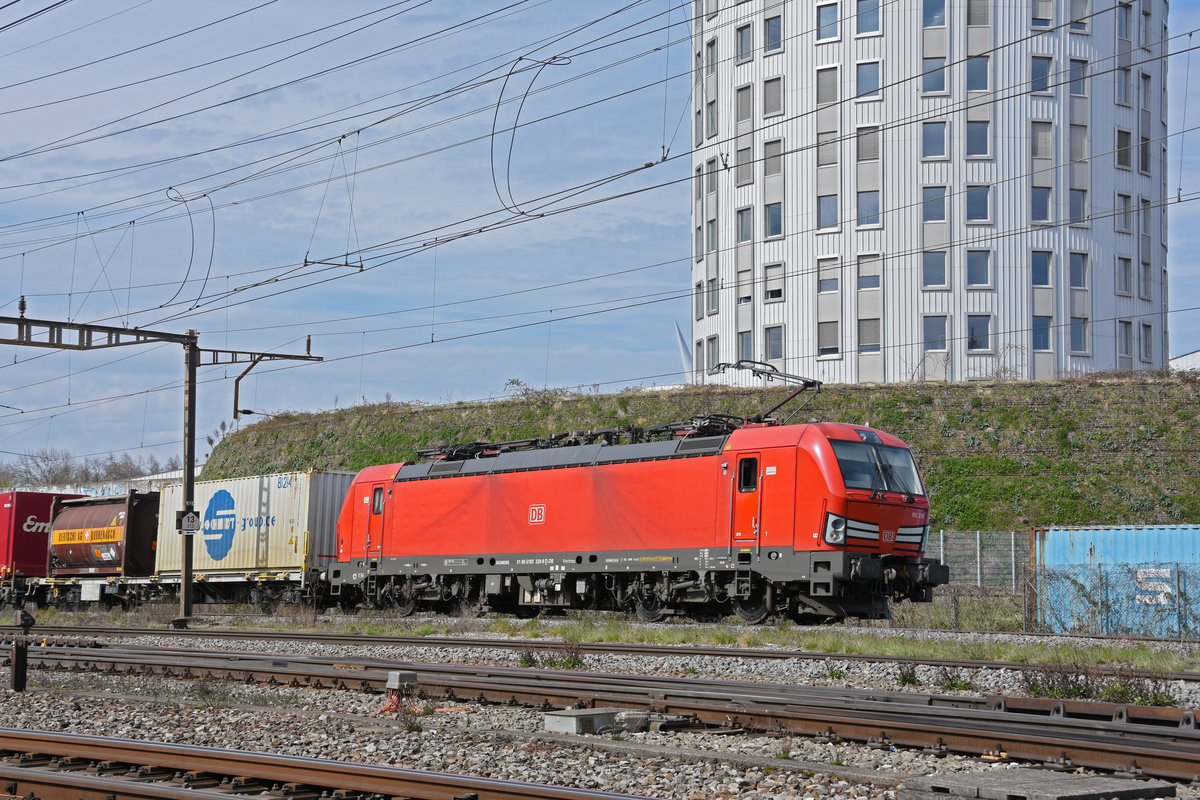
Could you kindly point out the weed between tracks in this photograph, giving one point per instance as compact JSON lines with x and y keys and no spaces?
{"x":1084,"y":682}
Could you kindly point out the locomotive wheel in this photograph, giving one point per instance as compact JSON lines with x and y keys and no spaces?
{"x":752,"y":610}
{"x":649,"y":609}
{"x":404,"y":605}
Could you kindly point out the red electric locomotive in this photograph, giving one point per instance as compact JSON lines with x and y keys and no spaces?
{"x":819,"y":521}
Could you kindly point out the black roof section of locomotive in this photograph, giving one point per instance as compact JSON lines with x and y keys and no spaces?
{"x":587,"y":455}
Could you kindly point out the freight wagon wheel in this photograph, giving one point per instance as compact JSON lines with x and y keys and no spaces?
{"x":751,"y":610}
{"x":648,"y":609}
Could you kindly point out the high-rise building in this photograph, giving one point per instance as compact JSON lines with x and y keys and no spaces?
{"x":899,"y":190}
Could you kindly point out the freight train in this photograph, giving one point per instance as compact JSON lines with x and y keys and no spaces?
{"x":816,"y":521}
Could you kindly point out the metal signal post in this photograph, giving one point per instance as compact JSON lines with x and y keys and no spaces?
{"x":55,"y":335}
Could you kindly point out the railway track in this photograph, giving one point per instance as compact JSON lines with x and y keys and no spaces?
{"x":1125,"y":739}
{"x":83,"y":635}
{"x":50,"y":766}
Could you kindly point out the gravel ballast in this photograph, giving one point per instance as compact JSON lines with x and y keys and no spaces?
{"x":501,"y":741}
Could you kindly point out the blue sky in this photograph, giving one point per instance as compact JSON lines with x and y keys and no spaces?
{"x":267,"y":171}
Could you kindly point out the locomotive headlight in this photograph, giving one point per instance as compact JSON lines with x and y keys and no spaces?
{"x":835,"y":529}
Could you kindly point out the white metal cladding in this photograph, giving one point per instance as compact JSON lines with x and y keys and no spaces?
{"x":1009,"y":300}
{"x":281,"y":523}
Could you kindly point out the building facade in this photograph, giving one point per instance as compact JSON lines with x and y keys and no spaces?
{"x":900,"y":190}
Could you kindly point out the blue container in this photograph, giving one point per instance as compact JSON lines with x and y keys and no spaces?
{"x":1142,"y":581}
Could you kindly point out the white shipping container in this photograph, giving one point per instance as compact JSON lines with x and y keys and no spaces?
{"x":282,"y":523}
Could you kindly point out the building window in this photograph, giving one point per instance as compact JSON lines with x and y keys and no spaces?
{"x":827,"y":88}
{"x":710,"y":58}
{"x":745,"y":287}
{"x":827,"y":148}
{"x":979,"y":332}
{"x":934,"y":333}
{"x":1079,"y":264}
{"x":979,"y":268}
{"x":744,"y":166}
{"x":933,"y":204}
{"x":868,"y":272}
{"x":1041,"y":333}
{"x":868,"y":208}
{"x":827,"y":339}
{"x":1040,"y":74}
{"x":1145,"y":287}
{"x":1124,"y":338}
{"x":710,"y":176}
{"x":1147,"y":29}
{"x":979,"y":203}
{"x":1079,"y":334}
{"x":933,"y":13}
{"x":713,"y":353}
{"x":1078,"y":79}
{"x":868,"y":144}
{"x":745,"y":342}
{"x":1078,"y":206}
{"x":1039,"y":22}
{"x":1079,"y":15}
{"x":1041,"y":139}
{"x":773,"y":217}
{"x":1124,"y":275}
{"x":711,"y":232}
{"x":773,"y":34}
{"x":1039,"y":266}
{"x":1124,"y":145}
{"x":699,"y":299}
{"x":772,"y":96}
{"x":868,"y":336}
{"x":1079,"y":143}
{"x":1144,"y":221}
{"x":1144,"y":156}
{"x":933,"y":269}
{"x":827,"y":216}
{"x":711,"y":118}
{"x":867,"y":79}
{"x":1147,"y":342}
{"x":1123,"y":219}
{"x":1040,"y":204}
{"x":867,"y":16}
{"x":773,"y":158}
{"x":1124,"y":85}
{"x":933,"y":75}
{"x":714,"y":296}
{"x":773,"y":282}
{"x":979,"y":139}
{"x":745,"y":43}
{"x":933,"y":140}
{"x":699,"y":243}
{"x":827,"y":274}
{"x":827,"y":21}
{"x":978,"y":79}
{"x":698,"y":360}
{"x":1124,"y":22}
{"x":773,"y":343}
{"x":699,"y":183}
{"x":977,"y":12}
{"x":744,"y":104}
{"x":745,"y":224}
{"x":699,"y":126}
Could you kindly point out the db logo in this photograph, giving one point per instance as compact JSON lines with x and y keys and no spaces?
{"x":889,"y":536}
{"x":537,"y":515}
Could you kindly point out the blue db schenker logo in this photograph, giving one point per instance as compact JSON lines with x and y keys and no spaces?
{"x":219,"y":524}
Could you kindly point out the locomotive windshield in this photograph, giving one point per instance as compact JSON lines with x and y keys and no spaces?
{"x":877,"y":467}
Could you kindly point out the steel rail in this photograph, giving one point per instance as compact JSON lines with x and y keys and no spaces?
{"x":10,"y":633}
{"x":1158,"y":742}
{"x":68,"y":764}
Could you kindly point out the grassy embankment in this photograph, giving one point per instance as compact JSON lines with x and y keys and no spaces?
{"x":996,"y":456}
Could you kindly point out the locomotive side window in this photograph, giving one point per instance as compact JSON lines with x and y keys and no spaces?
{"x":377,"y":501}
{"x":748,"y":475}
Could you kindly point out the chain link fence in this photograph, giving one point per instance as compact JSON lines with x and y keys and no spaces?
{"x":1159,"y":599}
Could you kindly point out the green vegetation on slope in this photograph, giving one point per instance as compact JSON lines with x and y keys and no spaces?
{"x":995,"y":456}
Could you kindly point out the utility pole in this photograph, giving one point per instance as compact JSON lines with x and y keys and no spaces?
{"x":54,"y":335}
